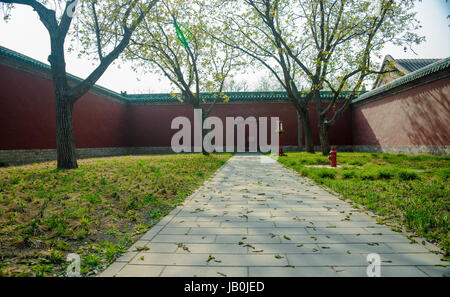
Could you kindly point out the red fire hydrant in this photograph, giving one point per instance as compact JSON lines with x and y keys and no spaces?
{"x":333,"y":157}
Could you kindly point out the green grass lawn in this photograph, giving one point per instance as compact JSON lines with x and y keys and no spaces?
{"x":96,"y":211}
{"x":409,"y":192}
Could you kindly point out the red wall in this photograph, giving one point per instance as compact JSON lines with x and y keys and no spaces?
{"x":27,"y":118}
{"x":100,"y":123}
{"x":150,"y":125}
{"x":419,"y":116}
{"x":27,"y":115}
{"x":338,"y":134}
{"x":416,"y":117}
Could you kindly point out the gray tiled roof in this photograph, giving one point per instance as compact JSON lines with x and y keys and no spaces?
{"x":415,"y":64}
{"x":440,"y":65}
{"x":233,"y":96}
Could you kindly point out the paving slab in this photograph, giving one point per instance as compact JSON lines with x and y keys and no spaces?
{"x":292,"y":272}
{"x":200,"y":271}
{"x":254,"y":217}
{"x":140,"y":271}
{"x":397,"y":271}
{"x":213,"y":248}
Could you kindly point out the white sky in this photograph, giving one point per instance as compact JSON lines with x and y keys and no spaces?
{"x":24,"y":33}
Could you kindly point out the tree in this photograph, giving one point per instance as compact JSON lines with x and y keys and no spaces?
{"x":173,"y":38}
{"x":322,"y":45}
{"x":105,"y":26}
{"x":250,"y":26}
{"x":344,"y":37}
{"x":233,"y":86}
{"x":267,"y":84}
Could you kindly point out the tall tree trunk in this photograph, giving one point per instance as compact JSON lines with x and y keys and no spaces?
{"x":303,"y":116}
{"x":323,"y":131}
{"x":309,"y":142}
{"x":65,"y":143}
{"x":322,"y":125}
{"x":299,"y":131}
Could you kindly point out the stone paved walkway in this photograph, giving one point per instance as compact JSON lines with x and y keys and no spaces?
{"x":254,"y":218}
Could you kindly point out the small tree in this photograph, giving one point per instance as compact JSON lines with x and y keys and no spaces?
{"x":343,"y":38}
{"x":173,"y":38}
{"x":267,"y":84}
{"x":251,"y":27}
{"x":233,"y":86}
{"x":318,"y":44}
{"x":105,"y":26}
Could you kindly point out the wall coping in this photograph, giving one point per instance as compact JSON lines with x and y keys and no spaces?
{"x":43,"y":69}
{"x":37,"y":65}
{"x":430,"y":73}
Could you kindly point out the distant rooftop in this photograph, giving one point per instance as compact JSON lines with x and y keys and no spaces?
{"x":412,"y":65}
{"x":401,"y":67}
{"x":440,"y":66}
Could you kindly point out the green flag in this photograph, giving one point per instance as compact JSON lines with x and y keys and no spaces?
{"x":180,"y":35}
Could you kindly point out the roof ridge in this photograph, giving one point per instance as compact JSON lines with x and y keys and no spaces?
{"x":132,"y":98}
{"x":36,"y":63}
{"x":232,"y":92}
{"x":419,"y":59}
{"x":233,"y":96}
{"x":419,"y":73}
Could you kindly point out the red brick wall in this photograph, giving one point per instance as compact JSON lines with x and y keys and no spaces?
{"x":338,"y":134}
{"x":419,"y":116}
{"x":27,"y":118}
{"x":100,"y":123}
{"x":27,"y":115}
{"x":150,"y":125}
